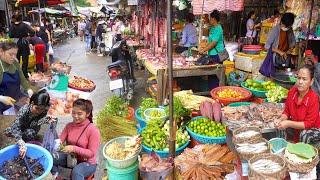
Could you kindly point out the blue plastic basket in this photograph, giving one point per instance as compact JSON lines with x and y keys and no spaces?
{"x":164,"y":154}
{"x":34,"y":151}
{"x":256,"y":93}
{"x":205,"y":139}
{"x":139,"y":118}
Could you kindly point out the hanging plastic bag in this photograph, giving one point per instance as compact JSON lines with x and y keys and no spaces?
{"x":50,"y":51}
{"x":267,"y":68}
{"x":49,"y":139}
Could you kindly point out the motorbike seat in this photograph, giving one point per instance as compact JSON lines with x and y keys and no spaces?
{"x":120,"y":63}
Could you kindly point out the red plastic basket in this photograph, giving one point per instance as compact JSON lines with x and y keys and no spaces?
{"x":225,"y":101}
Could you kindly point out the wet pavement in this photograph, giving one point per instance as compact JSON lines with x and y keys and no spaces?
{"x":94,"y":68}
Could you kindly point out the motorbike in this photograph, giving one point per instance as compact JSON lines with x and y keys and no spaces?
{"x":120,"y":71}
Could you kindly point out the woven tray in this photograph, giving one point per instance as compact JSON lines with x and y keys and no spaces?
{"x":254,"y":175}
{"x":305,"y":167}
{"x":252,"y":139}
{"x":247,"y":156}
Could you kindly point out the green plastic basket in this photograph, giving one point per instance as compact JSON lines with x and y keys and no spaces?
{"x":256,"y":93}
{"x":278,"y":145}
{"x":237,"y":104}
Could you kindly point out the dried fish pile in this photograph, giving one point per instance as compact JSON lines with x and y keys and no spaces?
{"x":16,"y":169}
{"x":252,"y":148}
{"x":261,"y":115}
{"x":206,"y":161}
{"x":247,"y":134}
{"x":266,"y":166}
{"x":127,"y":150}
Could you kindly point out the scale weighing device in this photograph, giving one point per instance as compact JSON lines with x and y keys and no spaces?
{"x":59,"y":82}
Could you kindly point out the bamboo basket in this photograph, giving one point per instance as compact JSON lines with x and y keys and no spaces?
{"x":247,"y":156}
{"x":255,"y":175}
{"x":252,"y":139}
{"x":304,"y":167}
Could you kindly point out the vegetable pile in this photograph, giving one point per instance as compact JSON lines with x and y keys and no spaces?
{"x":277,"y":94}
{"x":147,"y":103}
{"x":124,"y":151}
{"x":179,"y":111}
{"x":116,"y":106}
{"x":111,"y":124}
{"x":229,"y":93}
{"x":189,"y":100}
{"x":155,"y":114}
{"x":205,"y":161}
{"x":156,"y":133}
{"x":16,"y":169}
{"x":207,"y":127}
{"x":260,"y":86}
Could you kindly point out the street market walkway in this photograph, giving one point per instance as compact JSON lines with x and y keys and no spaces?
{"x":94,"y":68}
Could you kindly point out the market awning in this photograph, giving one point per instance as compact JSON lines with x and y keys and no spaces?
{"x":207,"y":6}
{"x":49,"y":11}
{"x":48,"y":2}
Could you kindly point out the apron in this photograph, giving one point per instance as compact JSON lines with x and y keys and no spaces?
{"x":10,"y":86}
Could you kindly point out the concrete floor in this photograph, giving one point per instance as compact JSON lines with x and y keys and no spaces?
{"x":94,"y":68}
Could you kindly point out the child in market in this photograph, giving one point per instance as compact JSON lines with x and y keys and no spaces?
{"x":39,"y":48}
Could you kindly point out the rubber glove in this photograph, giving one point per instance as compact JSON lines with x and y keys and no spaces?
{"x":30,"y":92}
{"x":9,"y":101}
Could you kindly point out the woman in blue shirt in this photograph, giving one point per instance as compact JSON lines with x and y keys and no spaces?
{"x":189,"y":35}
{"x":215,"y":40}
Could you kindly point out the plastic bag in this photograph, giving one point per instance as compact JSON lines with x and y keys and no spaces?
{"x":50,"y":51}
{"x":49,"y":139}
{"x":10,"y":111}
{"x":267,"y":68}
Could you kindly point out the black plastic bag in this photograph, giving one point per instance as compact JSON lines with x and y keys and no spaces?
{"x":204,"y":60}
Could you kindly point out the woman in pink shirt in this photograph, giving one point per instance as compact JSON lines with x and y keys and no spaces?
{"x":82,"y":138}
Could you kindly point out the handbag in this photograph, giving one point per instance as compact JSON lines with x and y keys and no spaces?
{"x":281,"y":62}
{"x":224,"y":55}
{"x":267,"y":68}
{"x":72,"y":159}
{"x":204,"y":60}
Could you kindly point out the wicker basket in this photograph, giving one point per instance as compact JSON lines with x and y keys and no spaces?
{"x":247,"y":156}
{"x":252,"y":139}
{"x":305,"y":167}
{"x":269,"y":176}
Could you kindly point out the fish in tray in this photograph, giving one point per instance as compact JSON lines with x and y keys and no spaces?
{"x":266,"y":166}
{"x":252,"y":148}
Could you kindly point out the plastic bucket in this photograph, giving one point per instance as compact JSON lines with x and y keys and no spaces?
{"x":33,"y":151}
{"x":129,"y":173}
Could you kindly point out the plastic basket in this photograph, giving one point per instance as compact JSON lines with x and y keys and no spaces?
{"x":121,"y":164}
{"x":139,"y":118}
{"x":225,"y":101}
{"x":206,"y":139}
{"x":256,"y":93}
{"x":165,"y":154}
{"x":278,"y":145}
{"x":146,"y":114}
{"x":237,"y":104}
{"x":34,"y":151}
{"x":129,"y":173}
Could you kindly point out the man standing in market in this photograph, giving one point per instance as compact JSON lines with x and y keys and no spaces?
{"x":21,"y":31}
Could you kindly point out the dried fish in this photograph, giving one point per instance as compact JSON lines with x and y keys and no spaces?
{"x":247,"y":134}
{"x":266,"y":166}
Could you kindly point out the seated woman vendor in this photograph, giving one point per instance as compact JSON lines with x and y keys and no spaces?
{"x":81,"y":138}
{"x":29,"y":120}
{"x":302,"y":109}
{"x":11,"y":77}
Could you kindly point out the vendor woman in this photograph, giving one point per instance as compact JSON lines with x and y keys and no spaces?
{"x":302,"y":109}
{"x":189,"y":35}
{"x":29,"y":120}
{"x":282,"y":40}
{"x":11,"y":77}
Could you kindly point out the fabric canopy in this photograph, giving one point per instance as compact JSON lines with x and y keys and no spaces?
{"x":220,"y":5}
{"x":50,"y":11}
{"x":48,"y":2}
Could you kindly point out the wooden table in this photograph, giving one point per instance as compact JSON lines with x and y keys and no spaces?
{"x":204,"y":70}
